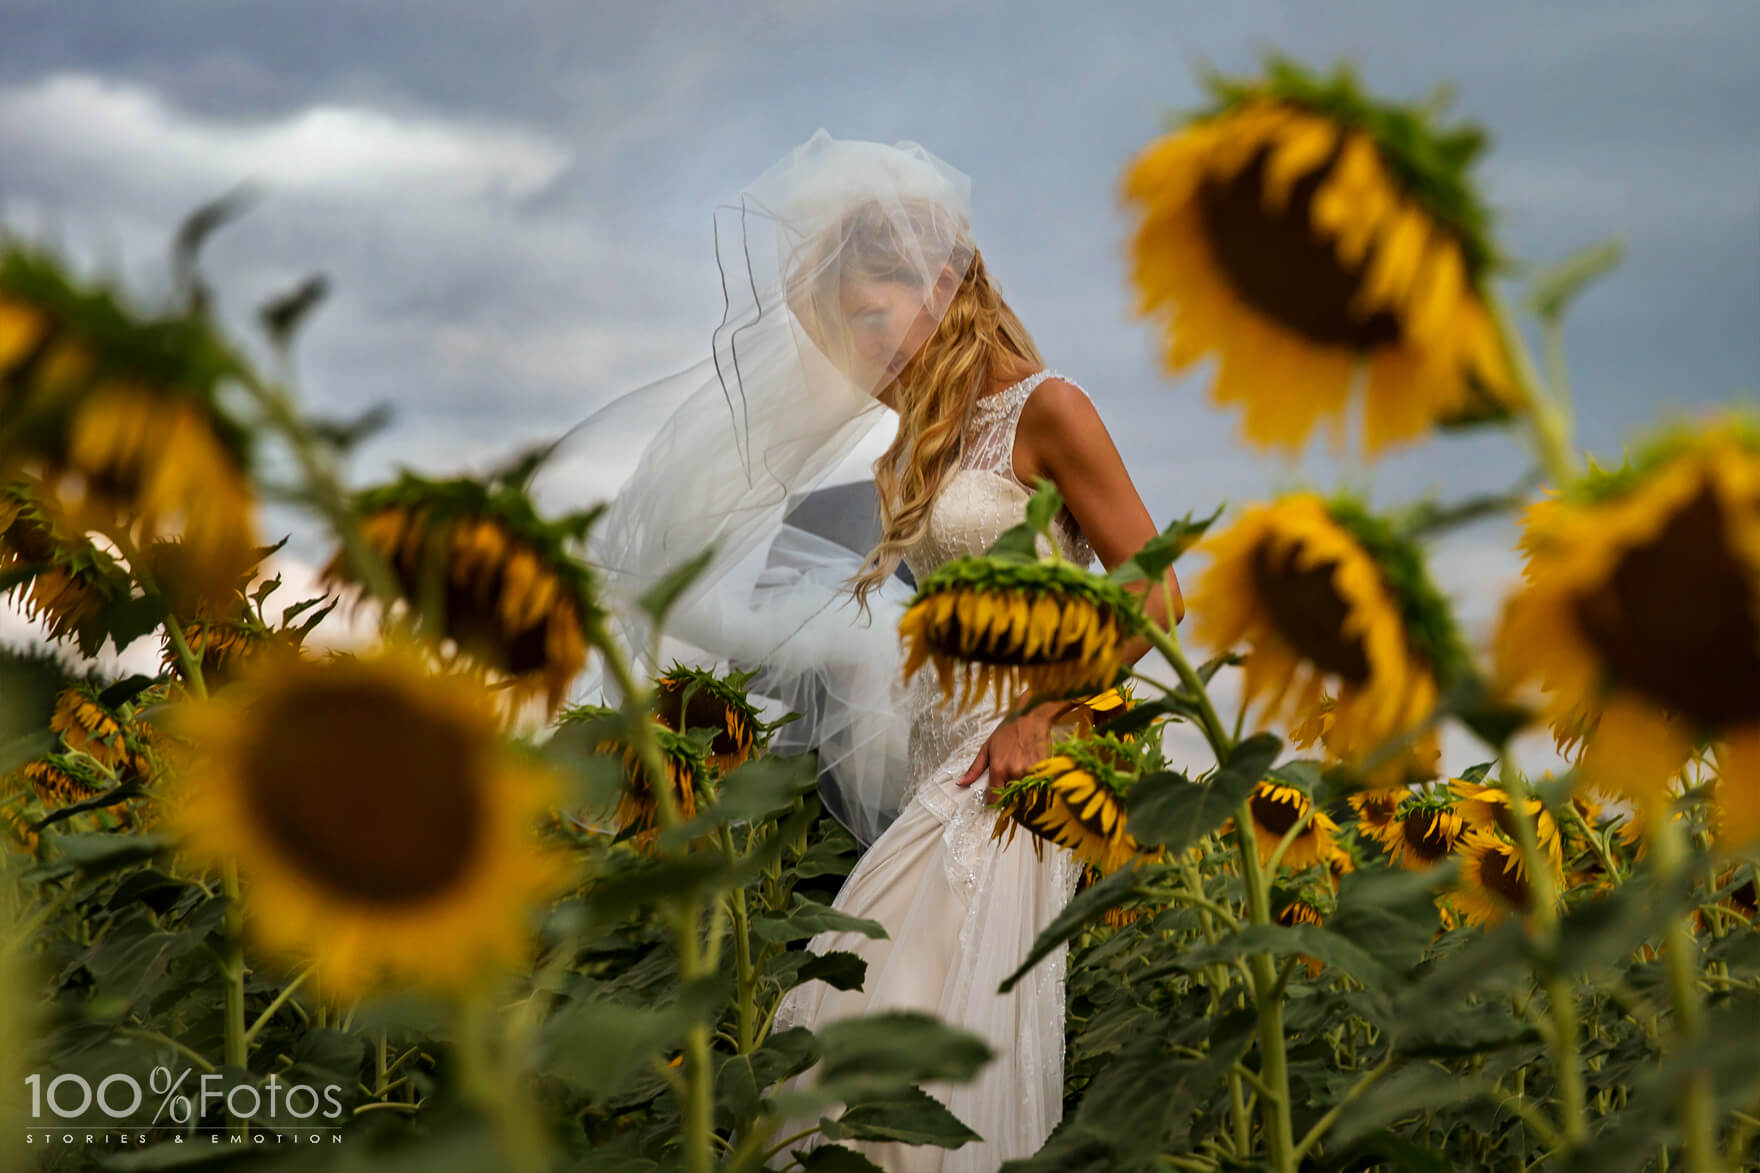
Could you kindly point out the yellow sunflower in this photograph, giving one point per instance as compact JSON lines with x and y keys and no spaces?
{"x":1488,"y":807}
{"x":1638,"y":621}
{"x":382,"y":830}
{"x":122,"y":414}
{"x":1300,"y":231}
{"x":77,"y":581}
{"x":1276,"y":808}
{"x":1075,"y":798}
{"x":686,"y":758}
{"x":1378,"y":815}
{"x":1428,"y":831}
{"x":1494,"y":878}
{"x":16,"y":830}
{"x":1007,"y":627}
{"x":1324,"y":592}
{"x":506,"y":590}
{"x":1305,"y":906}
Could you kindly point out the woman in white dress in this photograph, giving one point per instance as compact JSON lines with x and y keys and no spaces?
{"x":867,"y":291}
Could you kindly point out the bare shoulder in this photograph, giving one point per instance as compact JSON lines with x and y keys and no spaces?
{"x":1059,"y":428}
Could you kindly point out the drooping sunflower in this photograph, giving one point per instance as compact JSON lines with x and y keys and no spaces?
{"x":62,"y":780}
{"x":689,"y":698}
{"x":77,"y":581}
{"x":1306,"y":905}
{"x":383,"y":830}
{"x":1489,"y":807}
{"x":1075,"y":798}
{"x":505,"y":589}
{"x":1428,"y":831}
{"x":1277,"y":807}
{"x":1008,"y":626}
{"x":1637,"y":617}
{"x":1301,"y":231}
{"x":1326,"y":595}
{"x":1494,"y":878}
{"x":686,"y":758}
{"x":87,"y":725}
{"x":1378,"y":815}
{"x":120,"y":414}
{"x":15,"y":828}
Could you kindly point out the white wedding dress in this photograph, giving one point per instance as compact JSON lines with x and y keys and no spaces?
{"x":961,"y":910}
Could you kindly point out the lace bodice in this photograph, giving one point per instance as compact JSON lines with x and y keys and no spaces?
{"x":983,"y":496}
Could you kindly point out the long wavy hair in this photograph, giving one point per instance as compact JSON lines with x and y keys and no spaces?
{"x":937,"y":386}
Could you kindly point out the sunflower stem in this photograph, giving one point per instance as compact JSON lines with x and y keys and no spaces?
{"x":287,"y":992}
{"x":1543,"y":928}
{"x":237,"y":1041}
{"x":1698,"y":1128}
{"x":1167,"y":642}
{"x":742,"y":953}
{"x":1549,"y":419}
{"x":1273,"y":1064}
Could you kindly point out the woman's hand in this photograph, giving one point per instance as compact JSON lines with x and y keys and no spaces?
{"x":1012,"y":751}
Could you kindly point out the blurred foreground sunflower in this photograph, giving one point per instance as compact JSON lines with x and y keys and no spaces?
{"x":1006,"y":627}
{"x":1638,"y":621}
{"x":1300,"y":230}
{"x":1322,"y":591}
{"x":382,"y":829}
{"x":504,"y":588}
{"x":122,"y":415}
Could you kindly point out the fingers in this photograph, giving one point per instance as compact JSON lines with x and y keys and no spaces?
{"x":977,"y":767}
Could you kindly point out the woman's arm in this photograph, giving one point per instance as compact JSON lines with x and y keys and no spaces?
{"x":1060,"y":437}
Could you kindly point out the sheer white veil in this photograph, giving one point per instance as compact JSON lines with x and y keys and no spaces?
{"x":786,"y":393}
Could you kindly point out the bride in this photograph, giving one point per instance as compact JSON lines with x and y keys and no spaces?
{"x":865,"y":290}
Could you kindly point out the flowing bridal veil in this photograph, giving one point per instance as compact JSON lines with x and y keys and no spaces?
{"x":787,"y":392}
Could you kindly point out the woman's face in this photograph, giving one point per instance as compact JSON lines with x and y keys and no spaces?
{"x":888,"y":323}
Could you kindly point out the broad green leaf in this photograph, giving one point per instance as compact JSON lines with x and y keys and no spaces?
{"x":806,"y":917}
{"x":1170,"y":809}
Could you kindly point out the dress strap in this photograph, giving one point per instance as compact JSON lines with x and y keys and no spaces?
{"x":990,"y":435}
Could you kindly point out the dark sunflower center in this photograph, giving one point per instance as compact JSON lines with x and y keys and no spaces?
{"x":1500,"y":873}
{"x":1427,"y":836}
{"x":1276,"y":815}
{"x":1675,"y":621}
{"x":1308,"y":611}
{"x":1279,"y":264}
{"x":365,"y":794}
{"x":703,"y":711}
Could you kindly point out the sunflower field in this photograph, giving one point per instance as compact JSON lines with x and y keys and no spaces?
{"x":344,"y":909}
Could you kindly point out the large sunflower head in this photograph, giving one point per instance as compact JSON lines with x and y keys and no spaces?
{"x":1075,"y":798}
{"x":1494,"y":878}
{"x":122,"y":415}
{"x":688,"y":698}
{"x":1276,"y":807}
{"x":1004,"y":626}
{"x":1327,"y":595}
{"x":383,"y":830}
{"x":1637,"y":617}
{"x":476,"y":560}
{"x":1427,"y":831}
{"x":1298,"y":230}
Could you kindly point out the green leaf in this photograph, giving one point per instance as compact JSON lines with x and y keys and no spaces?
{"x":98,"y":852}
{"x":1558,"y":285}
{"x":879,"y":1055}
{"x":1086,"y":908}
{"x":597,"y":1043}
{"x":758,"y":787}
{"x":1407,"y":1091}
{"x":1282,"y":941}
{"x":658,"y":599}
{"x":909,"y":1116}
{"x":805,"y":918}
{"x":834,"y":1158}
{"x":742,"y":1080}
{"x":1150,"y":563}
{"x":1170,"y":809}
{"x":1389,"y":913}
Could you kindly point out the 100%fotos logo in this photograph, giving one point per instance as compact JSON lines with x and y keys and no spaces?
{"x":119,"y":1097}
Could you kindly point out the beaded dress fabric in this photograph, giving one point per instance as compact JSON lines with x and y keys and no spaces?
{"x":962,"y":910}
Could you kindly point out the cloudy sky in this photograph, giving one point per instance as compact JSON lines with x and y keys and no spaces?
{"x":513,"y":201}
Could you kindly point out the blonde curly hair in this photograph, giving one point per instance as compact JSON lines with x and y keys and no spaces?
{"x":937,"y":386}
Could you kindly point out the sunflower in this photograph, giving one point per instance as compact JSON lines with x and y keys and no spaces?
{"x":1304,"y":906}
{"x":1378,"y":815}
{"x":506,"y":591}
{"x":1276,"y":808}
{"x":1323,"y":591}
{"x":1427,"y":831}
{"x":1119,"y":915}
{"x":688,"y":698}
{"x":77,"y":581}
{"x":1494,"y":878}
{"x":1638,"y":622}
{"x":1299,"y":231}
{"x":1075,"y":798}
{"x":16,"y":829}
{"x":1007,"y":627}
{"x":122,"y":414}
{"x":1487,"y":807}
{"x":383,"y":831}
{"x":685,"y":755}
